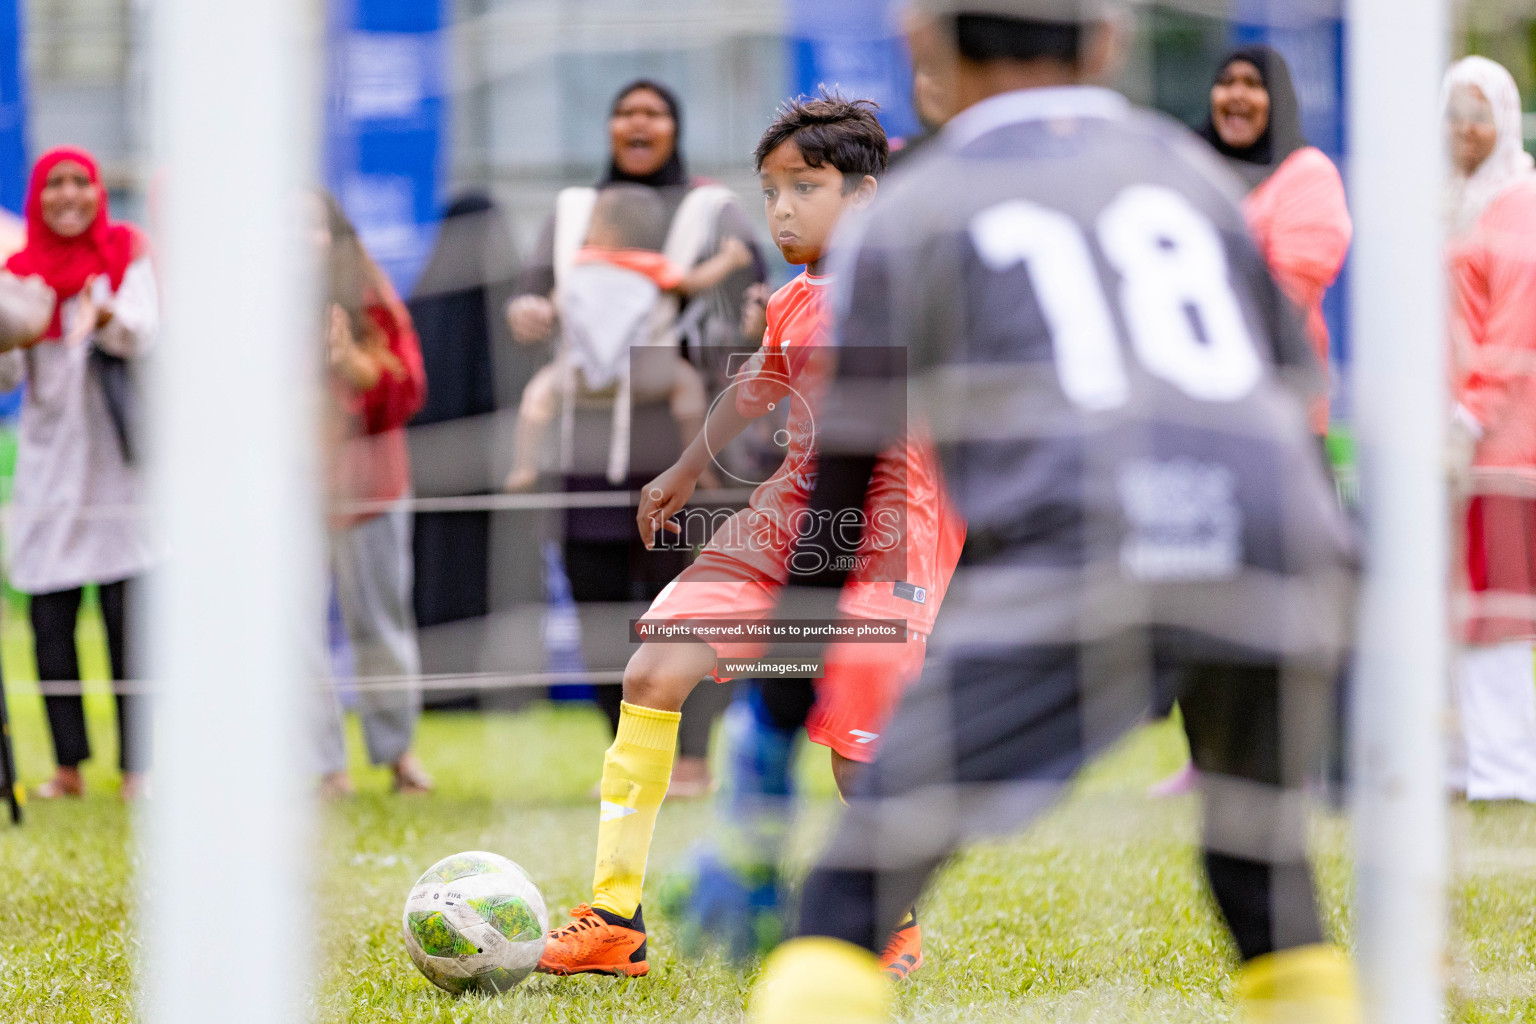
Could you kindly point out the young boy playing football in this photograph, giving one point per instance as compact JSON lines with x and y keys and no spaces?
{"x":819,"y":160}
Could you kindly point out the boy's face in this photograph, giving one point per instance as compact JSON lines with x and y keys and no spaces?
{"x":804,"y":203}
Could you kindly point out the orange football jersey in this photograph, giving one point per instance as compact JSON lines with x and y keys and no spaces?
{"x":912,"y":539}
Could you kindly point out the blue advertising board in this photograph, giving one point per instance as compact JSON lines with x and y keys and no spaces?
{"x":856,"y":47}
{"x":13,"y":141}
{"x":385,"y":126}
{"x":13,"y":110}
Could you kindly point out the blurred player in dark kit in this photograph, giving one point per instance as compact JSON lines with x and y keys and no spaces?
{"x":1119,"y":394}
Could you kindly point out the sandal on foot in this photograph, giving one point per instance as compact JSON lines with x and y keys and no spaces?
{"x":411,"y":779}
{"x":65,"y":783}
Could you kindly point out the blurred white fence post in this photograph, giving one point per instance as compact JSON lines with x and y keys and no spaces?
{"x":234,"y":421}
{"x":1397,"y":55}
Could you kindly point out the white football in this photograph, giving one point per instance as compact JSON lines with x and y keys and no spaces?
{"x":475,"y":922}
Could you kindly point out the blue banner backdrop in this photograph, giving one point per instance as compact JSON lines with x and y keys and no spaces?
{"x":856,"y":47}
{"x":385,"y":126}
{"x":13,"y":144}
{"x":13,"y":110}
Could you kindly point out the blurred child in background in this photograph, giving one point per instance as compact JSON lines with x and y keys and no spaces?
{"x":376,"y":384}
{"x":608,"y":304}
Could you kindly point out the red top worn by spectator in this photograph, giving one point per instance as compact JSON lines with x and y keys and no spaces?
{"x":1303,"y":229}
{"x":1491,"y":263}
{"x":373,"y":464}
{"x":912,"y":539}
{"x":1493,"y":282}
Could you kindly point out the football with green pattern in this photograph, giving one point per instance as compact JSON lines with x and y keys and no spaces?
{"x":475,"y":922}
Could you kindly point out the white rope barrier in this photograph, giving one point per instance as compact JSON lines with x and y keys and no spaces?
{"x":525,"y":502}
{"x":551,"y":500}
{"x":364,"y":684}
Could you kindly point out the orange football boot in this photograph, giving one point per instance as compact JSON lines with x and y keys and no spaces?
{"x":903,"y":954}
{"x":597,"y":942}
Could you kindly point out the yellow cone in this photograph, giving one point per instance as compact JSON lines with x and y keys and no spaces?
{"x":820,"y":981}
{"x":1309,"y":985}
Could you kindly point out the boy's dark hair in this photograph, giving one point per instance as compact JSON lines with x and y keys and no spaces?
{"x":986,"y":37}
{"x":634,"y":213}
{"x":831,"y":130}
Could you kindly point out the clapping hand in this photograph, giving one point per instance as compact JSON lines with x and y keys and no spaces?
{"x":26,"y":308}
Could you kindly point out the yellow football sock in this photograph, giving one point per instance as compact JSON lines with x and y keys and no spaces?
{"x":820,"y":981}
{"x":1308,"y":985}
{"x":636,"y":772}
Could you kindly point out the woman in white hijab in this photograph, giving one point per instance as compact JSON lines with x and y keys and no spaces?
{"x":1491,"y":260}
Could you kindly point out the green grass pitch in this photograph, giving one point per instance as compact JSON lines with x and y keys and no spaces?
{"x":1097,"y":915}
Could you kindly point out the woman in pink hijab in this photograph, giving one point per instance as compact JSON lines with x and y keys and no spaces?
{"x":1491,"y":261}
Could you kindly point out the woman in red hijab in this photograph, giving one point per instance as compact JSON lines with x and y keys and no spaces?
{"x":74,"y":518}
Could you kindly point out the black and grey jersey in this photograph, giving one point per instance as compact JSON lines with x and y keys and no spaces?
{"x":1115,"y":384}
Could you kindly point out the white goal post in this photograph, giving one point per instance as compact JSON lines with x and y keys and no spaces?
{"x":234,"y":414}
{"x":1398,"y":51}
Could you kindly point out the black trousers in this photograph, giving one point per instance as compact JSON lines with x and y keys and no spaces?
{"x":53,"y":630}
{"x":989,"y":739}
